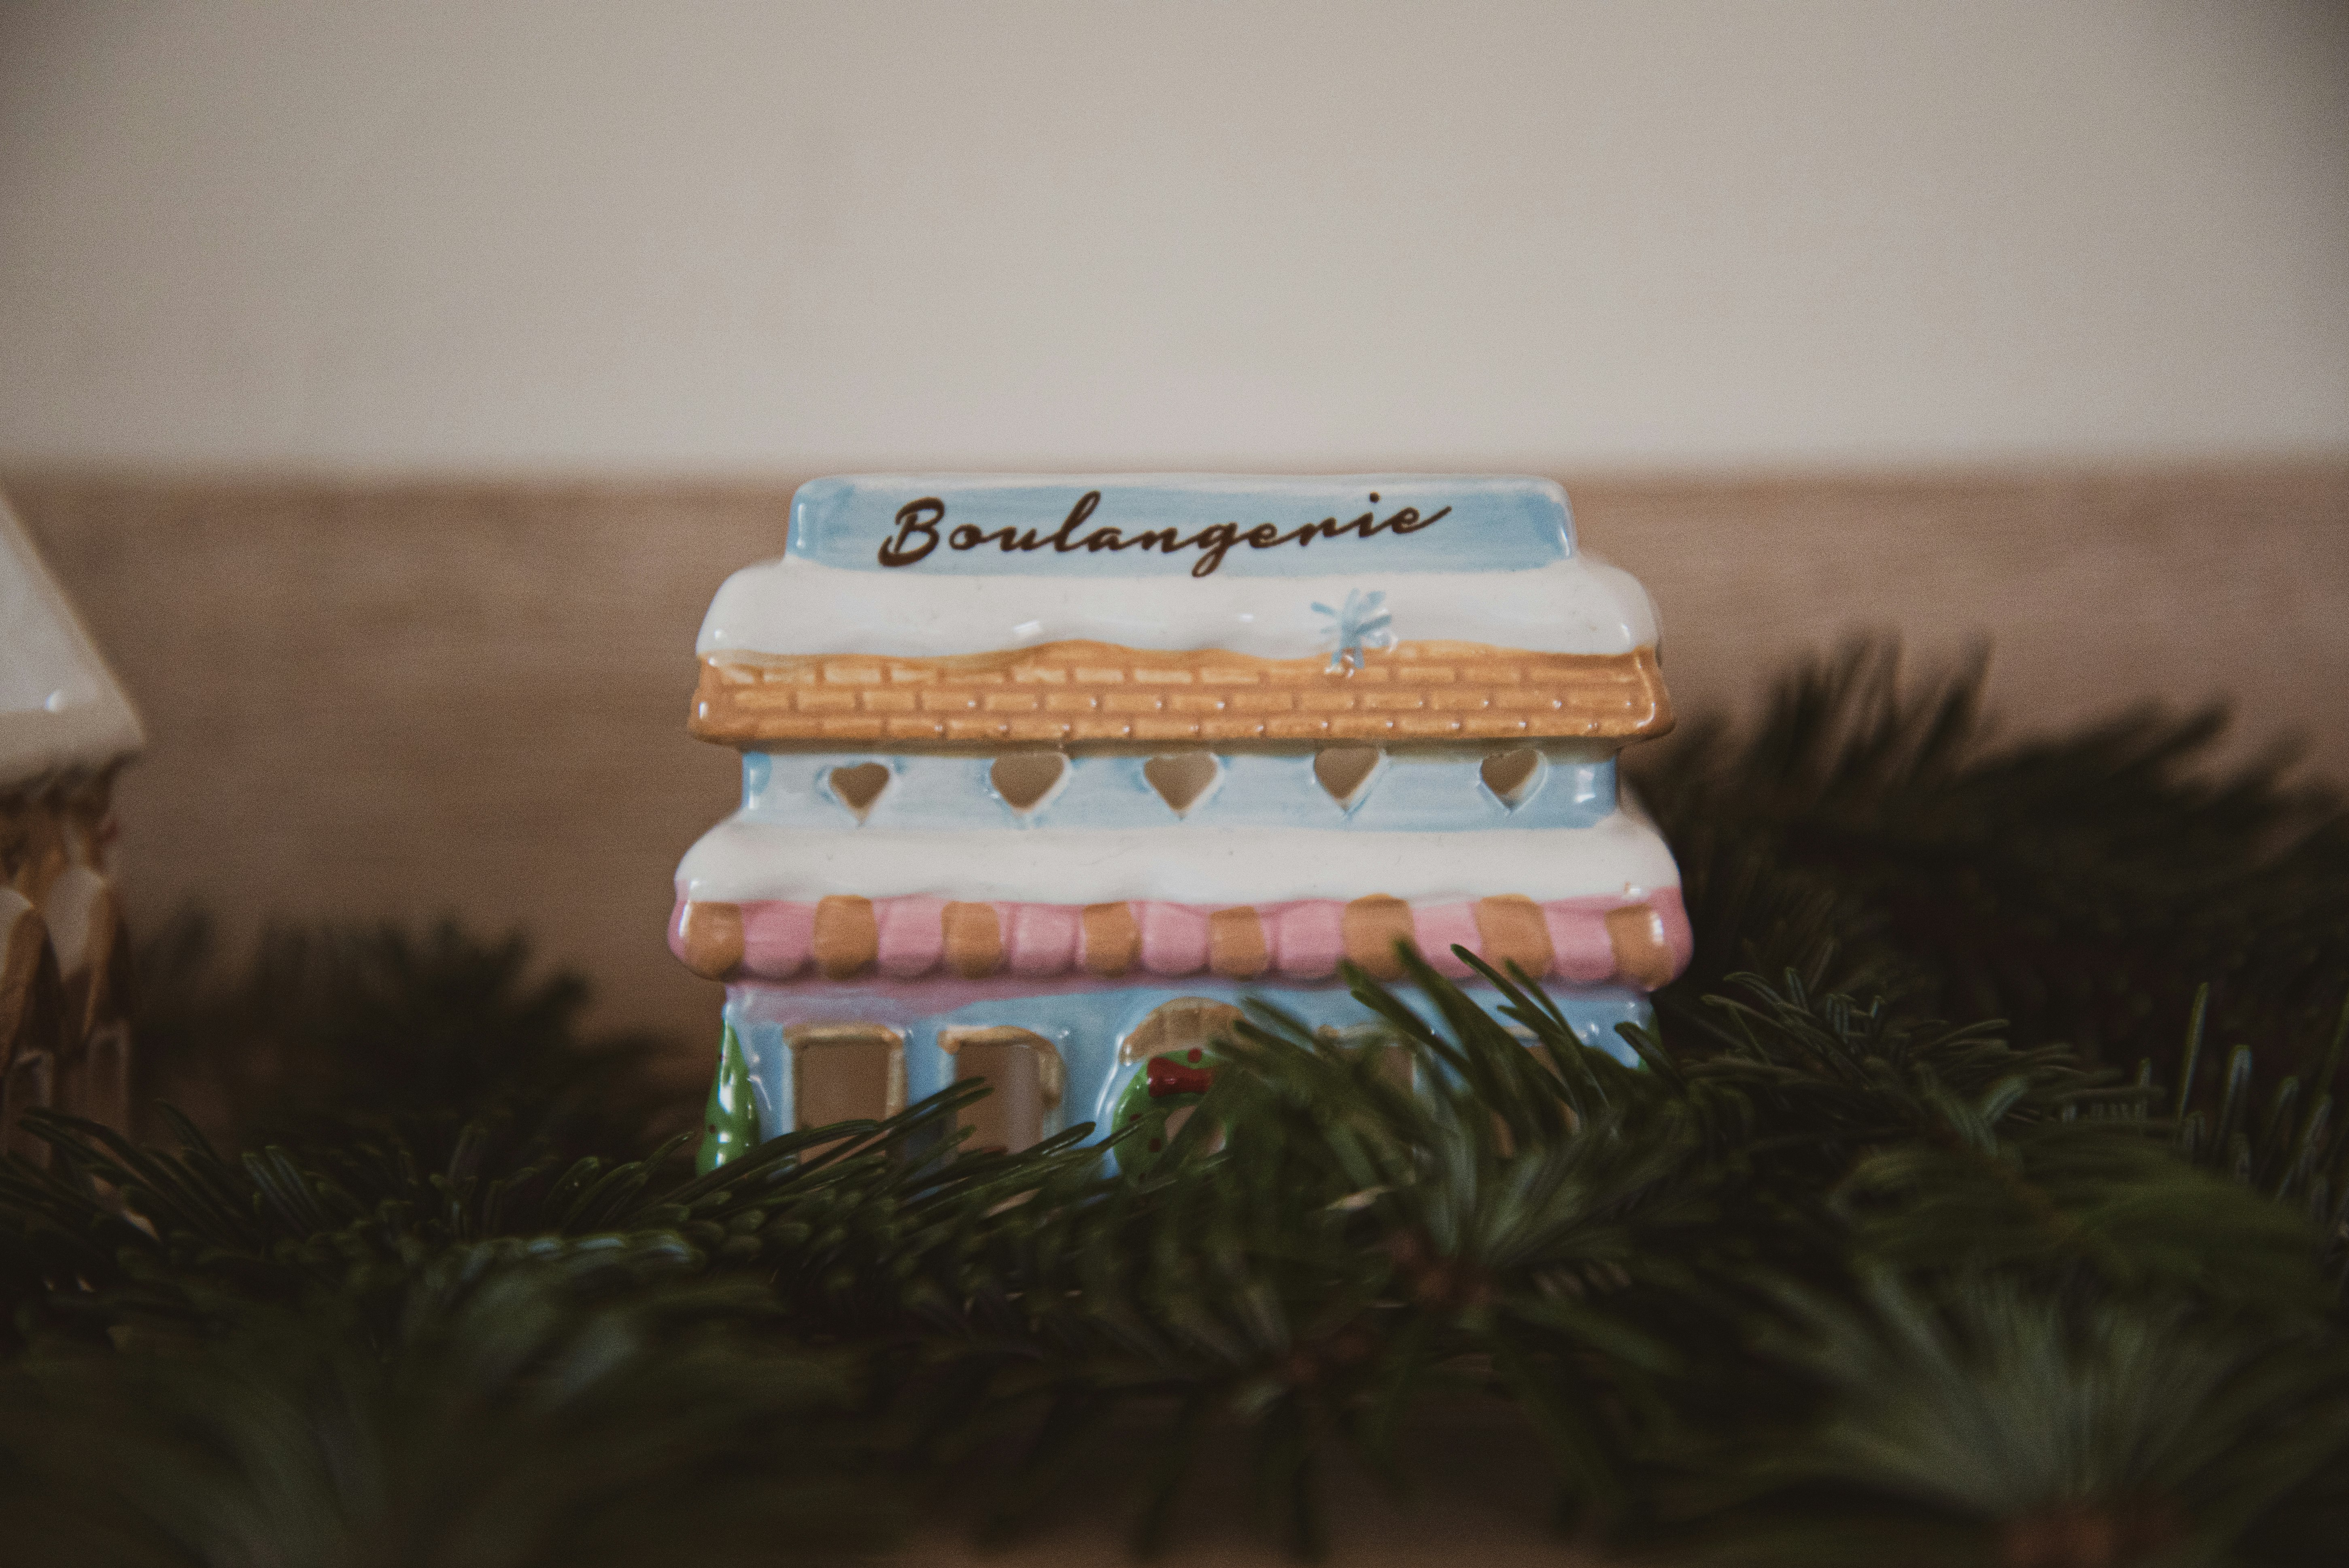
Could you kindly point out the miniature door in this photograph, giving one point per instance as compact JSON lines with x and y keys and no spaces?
{"x":846,"y":1072}
{"x":1024,"y":1071}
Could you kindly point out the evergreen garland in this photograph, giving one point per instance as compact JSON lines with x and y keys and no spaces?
{"x":1824,"y":1279}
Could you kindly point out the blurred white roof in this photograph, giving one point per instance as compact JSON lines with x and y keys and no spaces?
{"x":60,"y":707}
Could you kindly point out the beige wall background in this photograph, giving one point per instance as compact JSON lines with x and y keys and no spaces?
{"x":393,"y":384}
{"x":778,"y":237}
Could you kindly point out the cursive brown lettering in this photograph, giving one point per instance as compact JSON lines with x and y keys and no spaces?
{"x":1077,"y":515}
{"x":1215,"y":541}
{"x":919,"y":524}
{"x":915,"y":520}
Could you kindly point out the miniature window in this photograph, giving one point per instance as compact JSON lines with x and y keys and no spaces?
{"x":1183,"y":780}
{"x":1025,"y":1073}
{"x":1025,"y":779}
{"x":31,"y":1080}
{"x":846,"y":1071}
{"x":104,"y":1092}
{"x":1344,"y":771}
{"x":1393,"y":1061}
{"x":858,"y":787}
{"x":1513,"y":777}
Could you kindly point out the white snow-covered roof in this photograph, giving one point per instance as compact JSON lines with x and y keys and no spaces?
{"x":60,"y":706}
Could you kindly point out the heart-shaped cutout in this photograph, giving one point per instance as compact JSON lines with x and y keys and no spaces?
{"x":1182,"y":779}
{"x":1343,"y":770}
{"x":1024,"y":778}
{"x":860,"y":786}
{"x":1513,"y":775}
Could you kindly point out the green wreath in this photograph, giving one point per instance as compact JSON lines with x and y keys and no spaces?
{"x":1158,"y":1100}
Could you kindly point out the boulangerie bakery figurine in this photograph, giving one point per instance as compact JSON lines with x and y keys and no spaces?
{"x":1042,"y":774}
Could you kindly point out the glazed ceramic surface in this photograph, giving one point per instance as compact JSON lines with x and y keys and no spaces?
{"x":65,"y":728}
{"x":1040,"y":775}
{"x":913,"y":565}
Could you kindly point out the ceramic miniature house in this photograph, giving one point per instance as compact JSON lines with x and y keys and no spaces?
{"x":1042,"y":775}
{"x":66,"y":729}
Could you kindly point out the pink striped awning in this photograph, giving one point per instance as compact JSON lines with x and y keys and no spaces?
{"x":1576,"y":942}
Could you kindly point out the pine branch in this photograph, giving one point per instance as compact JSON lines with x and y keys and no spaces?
{"x":1820,"y":1271}
{"x":509,"y":1404}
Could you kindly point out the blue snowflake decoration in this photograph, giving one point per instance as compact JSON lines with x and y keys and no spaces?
{"x":1362,"y":624}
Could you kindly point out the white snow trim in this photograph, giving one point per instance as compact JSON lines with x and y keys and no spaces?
{"x":1580,"y":604}
{"x":740,"y":860}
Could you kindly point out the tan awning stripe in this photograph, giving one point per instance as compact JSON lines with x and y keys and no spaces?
{"x":1642,"y":942}
{"x":1371,"y":928}
{"x":1511,"y":931}
{"x":1112,"y":941}
{"x":845,"y":936}
{"x":1236,"y":946}
{"x":974,"y":940}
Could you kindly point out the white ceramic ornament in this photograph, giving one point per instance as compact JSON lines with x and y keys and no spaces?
{"x":1042,"y":774}
{"x":65,"y":728}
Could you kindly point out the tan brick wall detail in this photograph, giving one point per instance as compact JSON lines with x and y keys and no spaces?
{"x":1260,"y":701}
{"x":1099,"y":692}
